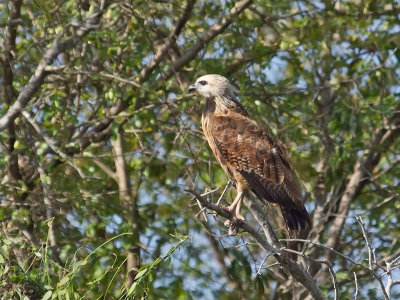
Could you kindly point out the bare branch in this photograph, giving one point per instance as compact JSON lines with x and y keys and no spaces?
{"x":371,"y":251}
{"x":261,"y":266}
{"x":262,"y":219}
{"x":105,"y":169}
{"x":7,"y":90}
{"x":223,"y":192}
{"x":390,"y":281}
{"x":367,"y":269}
{"x":8,"y":47}
{"x":356,"y":284}
{"x":118,"y":78}
{"x":125,"y":193}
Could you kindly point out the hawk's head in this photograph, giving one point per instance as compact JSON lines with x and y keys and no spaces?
{"x":212,"y":85}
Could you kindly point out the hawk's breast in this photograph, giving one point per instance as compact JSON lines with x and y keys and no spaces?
{"x":208,"y":124}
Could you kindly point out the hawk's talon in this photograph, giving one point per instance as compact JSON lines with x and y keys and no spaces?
{"x":227,"y":223}
{"x":225,"y":208}
{"x":239,"y":218}
{"x":233,"y":210}
{"x":233,"y":225}
{"x":233,"y":230}
{"x":236,"y":218}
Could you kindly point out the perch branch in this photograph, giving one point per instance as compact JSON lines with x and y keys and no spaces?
{"x":294,"y":269}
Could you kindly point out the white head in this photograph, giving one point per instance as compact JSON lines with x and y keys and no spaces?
{"x":217,"y":89}
{"x":212,"y":85}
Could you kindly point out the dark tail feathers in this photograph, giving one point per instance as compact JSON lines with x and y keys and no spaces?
{"x":296,"y":219}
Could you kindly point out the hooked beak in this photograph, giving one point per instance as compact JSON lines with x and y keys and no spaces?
{"x":192,"y":88}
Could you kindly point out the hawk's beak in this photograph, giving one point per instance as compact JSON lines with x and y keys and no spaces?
{"x":192,"y":88}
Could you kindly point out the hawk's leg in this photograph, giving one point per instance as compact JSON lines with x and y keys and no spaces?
{"x":234,"y":210}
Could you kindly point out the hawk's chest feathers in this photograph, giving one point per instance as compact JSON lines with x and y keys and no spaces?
{"x":210,"y":123}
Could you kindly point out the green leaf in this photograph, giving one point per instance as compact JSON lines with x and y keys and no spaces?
{"x":63,"y":281}
{"x":47,"y":295}
{"x":132,"y":289}
{"x":80,"y":263}
{"x":342,"y":275}
{"x":141,"y":273}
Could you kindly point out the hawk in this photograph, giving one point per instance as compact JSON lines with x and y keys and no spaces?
{"x":250,"y":157}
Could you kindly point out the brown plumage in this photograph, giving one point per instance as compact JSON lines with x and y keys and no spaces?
{"x":250,"y":157}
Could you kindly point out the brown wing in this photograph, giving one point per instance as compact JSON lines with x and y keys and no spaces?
{"x":250,"y":150}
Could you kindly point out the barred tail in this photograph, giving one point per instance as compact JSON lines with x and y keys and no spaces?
{"x":296,"y":219}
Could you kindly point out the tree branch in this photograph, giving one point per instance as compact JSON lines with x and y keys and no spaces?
{"x":7,"y":54}
{"x":125,"y":193}
{"x":7,"y":92}
{"x":170,"y":40}
{"x":294,"y":269}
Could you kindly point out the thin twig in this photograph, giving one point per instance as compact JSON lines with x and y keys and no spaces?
{"x":356,"y":283}
{"x":223,"y":192}
{"x":209,"y":192}
{"x":367,"y":269}
{"x":371,"y":250}
{"x":260,"y":267}
{"x":202,"y":209}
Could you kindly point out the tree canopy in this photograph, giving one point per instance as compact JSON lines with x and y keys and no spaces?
{"x":107,"y":184}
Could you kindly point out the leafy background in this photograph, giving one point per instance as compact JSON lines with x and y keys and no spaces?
{"x":94,"y":169}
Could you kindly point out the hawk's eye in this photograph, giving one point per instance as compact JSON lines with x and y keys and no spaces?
{"x":203,"y":82}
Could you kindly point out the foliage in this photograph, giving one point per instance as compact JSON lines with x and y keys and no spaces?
{"x":95,"y":167}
